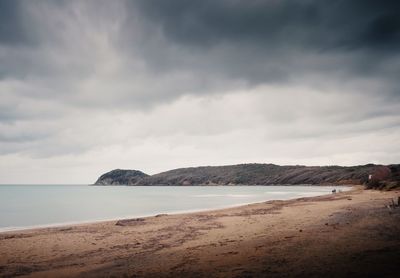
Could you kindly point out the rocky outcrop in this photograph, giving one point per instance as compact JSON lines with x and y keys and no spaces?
{"x":121,"y":177}
{"x":263,"y":174}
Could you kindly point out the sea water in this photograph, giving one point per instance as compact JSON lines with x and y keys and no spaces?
{"x":29,"y":206}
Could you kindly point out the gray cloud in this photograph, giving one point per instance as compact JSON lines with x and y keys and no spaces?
{"x":156,"y":85}
{"x":275,"y":41}
{"x":13,"y":28}
{"x":309,"y":24}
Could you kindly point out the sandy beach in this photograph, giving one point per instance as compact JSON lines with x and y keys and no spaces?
{"x":351,"y":234}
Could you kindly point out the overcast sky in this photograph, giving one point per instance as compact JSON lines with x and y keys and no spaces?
{"x":89,"y":86}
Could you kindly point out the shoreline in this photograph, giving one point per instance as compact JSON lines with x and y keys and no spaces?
{"x":350,"y":233}
{"x":346,"y":188}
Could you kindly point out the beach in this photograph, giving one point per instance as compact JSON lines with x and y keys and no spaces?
{"x":350,"y":233}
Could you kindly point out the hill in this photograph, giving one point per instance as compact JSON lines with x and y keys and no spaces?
{"x":260,"y":174}
{"x":121,"y":177}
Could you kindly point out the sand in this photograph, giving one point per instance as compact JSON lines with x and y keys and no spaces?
{"x":349,"y":234}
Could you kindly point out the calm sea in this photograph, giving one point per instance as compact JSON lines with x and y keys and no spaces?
{"x":27,"y":206}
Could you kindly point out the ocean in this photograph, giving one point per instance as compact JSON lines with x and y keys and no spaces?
{"x":30,"y":206}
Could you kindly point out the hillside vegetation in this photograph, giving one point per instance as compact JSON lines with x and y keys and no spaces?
{"x":261,"y":174}
{"x":121,"y":177}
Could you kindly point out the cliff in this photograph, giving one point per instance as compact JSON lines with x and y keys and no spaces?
{"x":260,"y":174}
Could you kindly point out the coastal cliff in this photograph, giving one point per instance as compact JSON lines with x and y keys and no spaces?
{"x":260,"y":174}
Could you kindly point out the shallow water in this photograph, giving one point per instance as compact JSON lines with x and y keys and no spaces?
{"x":26,"y":206}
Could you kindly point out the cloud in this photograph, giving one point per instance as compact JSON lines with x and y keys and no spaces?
{"x":13,"y":28}
{"x":156,"y":85}
{"x":365,"y":24}
{"x":276,"y":41}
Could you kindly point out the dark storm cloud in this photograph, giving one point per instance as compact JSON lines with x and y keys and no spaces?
{"x":272,"y":41}
{"x":318,"y":24}
{"x":12,"y":29}
{"x":209,"y":43}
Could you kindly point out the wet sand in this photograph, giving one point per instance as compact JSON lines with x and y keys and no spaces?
{"x":349,"y":234}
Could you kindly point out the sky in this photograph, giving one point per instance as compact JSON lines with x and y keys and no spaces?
{"x":90,"y":86}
